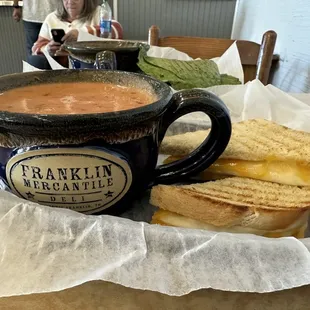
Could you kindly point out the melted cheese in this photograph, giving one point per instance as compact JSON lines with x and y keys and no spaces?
{"x":272,"y":170}
{"x":284,"y":172}
{"x":167,"y":218}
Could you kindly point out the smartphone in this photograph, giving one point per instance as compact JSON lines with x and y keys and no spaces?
{"x":58,"y":34}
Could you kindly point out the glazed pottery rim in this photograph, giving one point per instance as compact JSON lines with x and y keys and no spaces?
{"x":152,"y":107}
{"x":81,"y":46}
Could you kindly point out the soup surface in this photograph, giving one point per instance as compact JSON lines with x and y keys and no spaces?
{"x":73,"y":98}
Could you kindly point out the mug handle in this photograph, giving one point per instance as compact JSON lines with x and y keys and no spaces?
{"x":207,"y":153}
{"x":106,"y":60}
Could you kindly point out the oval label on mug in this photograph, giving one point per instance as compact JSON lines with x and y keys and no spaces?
{"x":84,"y":180}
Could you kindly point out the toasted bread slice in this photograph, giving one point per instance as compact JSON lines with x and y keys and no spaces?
{"x":258,"y":149}
{"x":236,"y":202}
{"x":255,"y":140}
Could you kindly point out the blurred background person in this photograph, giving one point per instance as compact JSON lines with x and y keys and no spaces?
{"x":33,"y":13}
{"x":72,"y":16}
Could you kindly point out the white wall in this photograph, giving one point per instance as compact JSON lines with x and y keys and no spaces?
{"x":291,"y":20}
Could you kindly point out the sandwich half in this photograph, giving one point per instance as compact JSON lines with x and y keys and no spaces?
{"x":258,"y":149}
{"x":236,"y":205}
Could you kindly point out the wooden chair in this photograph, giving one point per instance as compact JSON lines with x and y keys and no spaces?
{"x":256,"y":58}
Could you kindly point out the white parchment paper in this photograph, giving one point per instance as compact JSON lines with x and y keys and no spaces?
{"x":254,"y":100}
{"x":45,"y":249}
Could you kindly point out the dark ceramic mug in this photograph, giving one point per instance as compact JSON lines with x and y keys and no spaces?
{"x":97,"y":163}
{"x":113,"y":55}
{"x":105,"y":60}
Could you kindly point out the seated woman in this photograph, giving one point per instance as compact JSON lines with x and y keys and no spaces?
{"x":72,"y":16}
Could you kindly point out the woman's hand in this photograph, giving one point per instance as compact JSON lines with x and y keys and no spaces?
{"x":17,"y":14}
{"x":53,"y":47}
{"x":72,"y":35}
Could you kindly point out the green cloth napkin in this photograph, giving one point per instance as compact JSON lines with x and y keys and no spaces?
{"x":184,"y":74}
